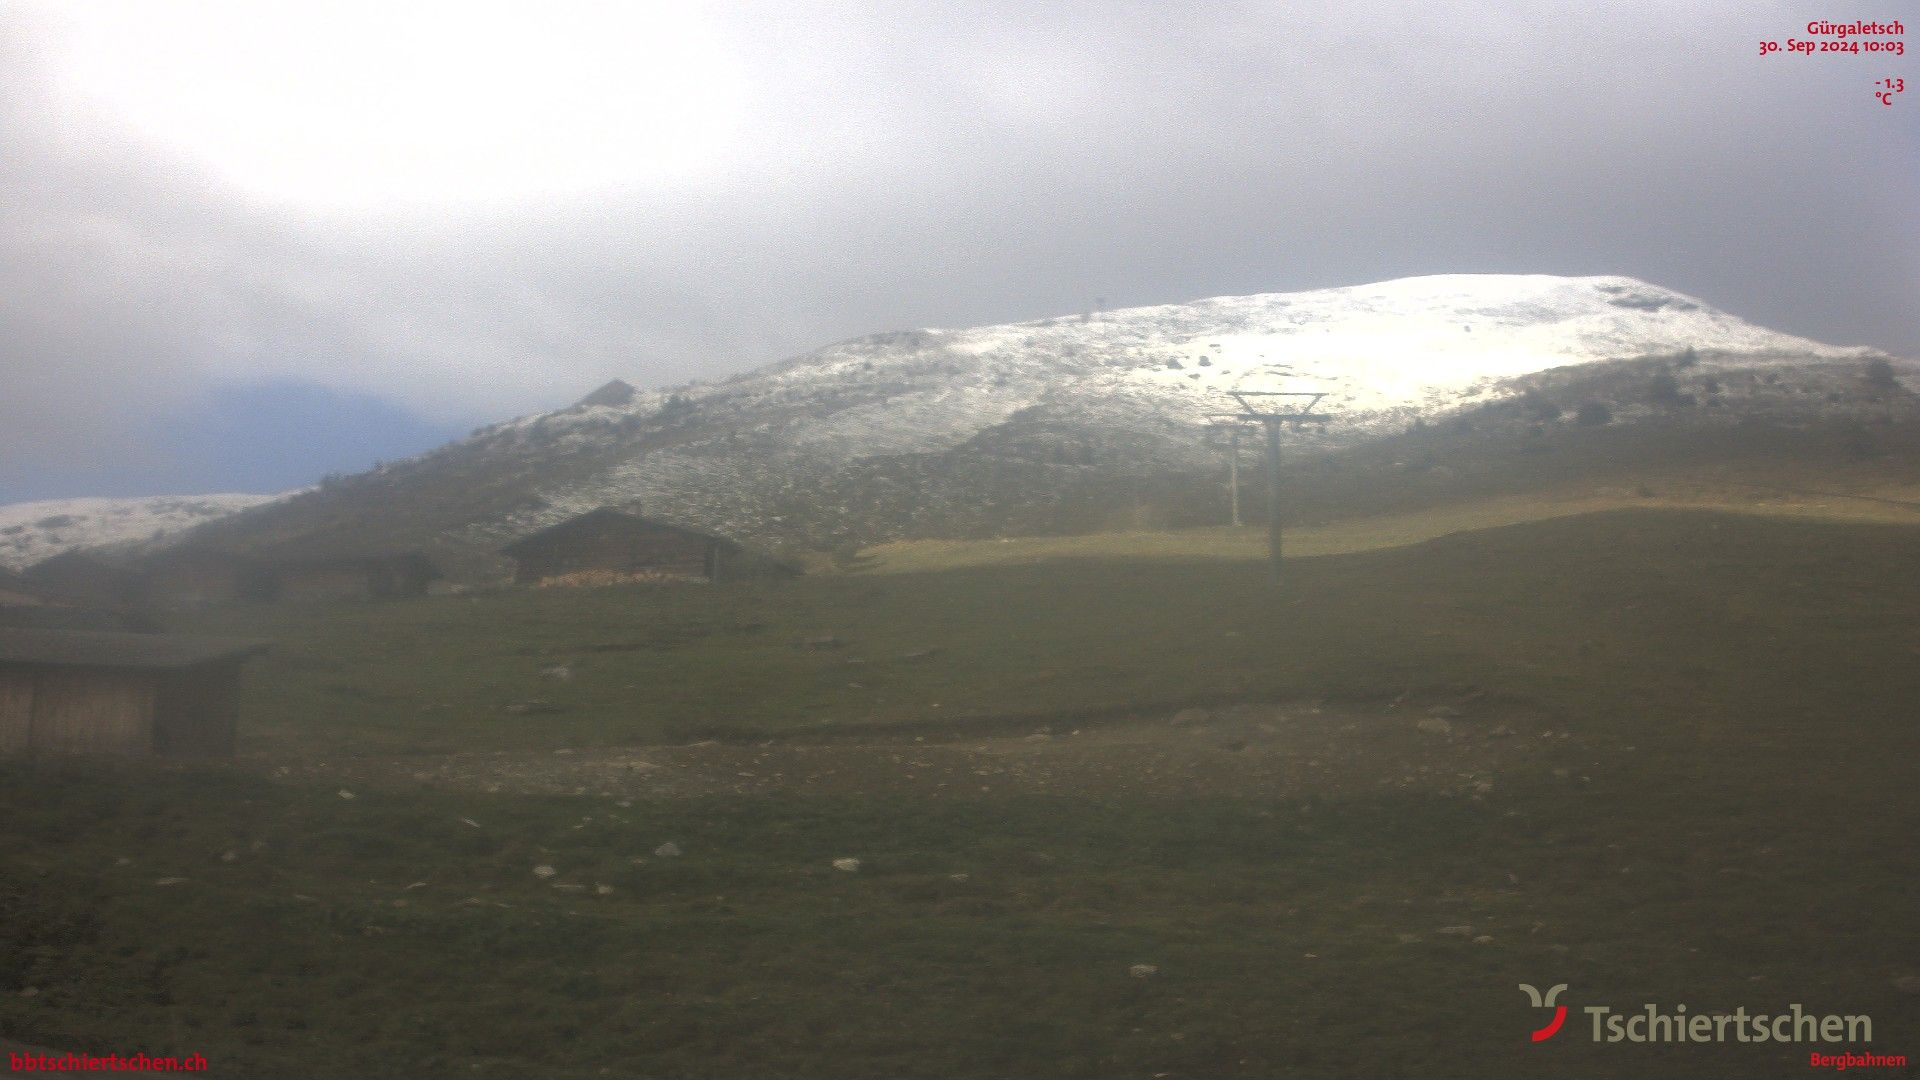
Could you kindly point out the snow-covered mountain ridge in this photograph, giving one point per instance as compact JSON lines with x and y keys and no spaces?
{"x":1386,"y":354}
{"x":1051,"y":424}
{"x":1412,"y":344}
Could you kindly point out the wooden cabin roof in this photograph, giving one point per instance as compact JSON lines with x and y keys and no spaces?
{"x":606,"y":515}
{"x":109,"y":649}
{"x":395,"y":560}
{"x":77,"y":561}
{"x":191,"y":554}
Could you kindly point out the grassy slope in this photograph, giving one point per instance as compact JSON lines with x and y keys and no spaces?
{"x":1564,"y":605}
{"x":1732,"y":826}
{"x":1880,"y":502}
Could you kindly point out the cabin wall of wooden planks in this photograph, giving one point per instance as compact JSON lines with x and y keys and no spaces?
{"x":77,"y":710}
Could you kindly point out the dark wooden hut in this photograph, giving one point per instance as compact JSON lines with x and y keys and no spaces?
{"x":98,"y":692}
{"x":192,"y":576}
{"x":608,"y":546}
{"x":359,"y":577}
{"x":25,"y":604}
{"x":89,"y":580}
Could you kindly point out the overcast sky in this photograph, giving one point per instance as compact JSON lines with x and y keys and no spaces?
{"x":245,"y":242}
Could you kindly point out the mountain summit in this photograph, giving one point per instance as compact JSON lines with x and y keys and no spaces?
{"x":616,"y":393}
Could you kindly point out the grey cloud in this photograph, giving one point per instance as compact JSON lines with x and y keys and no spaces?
{"x":909,"y":165}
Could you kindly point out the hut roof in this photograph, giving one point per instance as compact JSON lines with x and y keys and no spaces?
{"x":189,"y":554}
{"x":76,"y":560}
{"x":606,"y":514}
{"x":416,"y":560}
{"x":108,"y":649}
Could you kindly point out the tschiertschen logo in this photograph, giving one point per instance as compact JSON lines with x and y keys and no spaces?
{"x":1653,"y":1023}
{"x":1547,"y":1002}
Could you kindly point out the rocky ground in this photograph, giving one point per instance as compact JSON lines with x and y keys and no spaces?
{"x":1285,"y":749}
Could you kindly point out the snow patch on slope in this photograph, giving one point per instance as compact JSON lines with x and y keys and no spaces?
{"x":32,"y":531}
{"x":1384,"y":353}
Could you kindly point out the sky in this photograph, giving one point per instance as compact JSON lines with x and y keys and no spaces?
{"x":244,"y":243}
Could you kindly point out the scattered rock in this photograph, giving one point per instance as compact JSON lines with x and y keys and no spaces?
{"x":1039,"y":736}
{"x":170,"y":881}
{"x":1501,"y":732}
{"x":29,"y":991}
{"x":1461,"y":931}
{"x":958,"y":879}
{"x":1483,"y":939}
{"x":543,"y":871}
{"x":558,"y":673}
{"x":229,"y":856}
{"x":345,"y":794}
{"x":1144,"y":971}
{"x":827,"y":641}
{"x":847,"y":865}
{"x":667,"y":850}
{"x":603,"y":890}
{"x":1434,"y":725}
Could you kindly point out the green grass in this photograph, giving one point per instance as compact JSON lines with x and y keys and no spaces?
{"x":1879,"y":503}
{"x":1562,"y":612}
{"x":1731,"y":825}
{"x":751,"y":956}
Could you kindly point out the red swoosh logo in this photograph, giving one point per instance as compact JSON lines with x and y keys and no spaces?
{"x":1559,"y":1017}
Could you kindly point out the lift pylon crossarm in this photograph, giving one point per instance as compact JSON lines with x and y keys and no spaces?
{"x":1251,"y":411}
